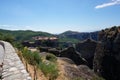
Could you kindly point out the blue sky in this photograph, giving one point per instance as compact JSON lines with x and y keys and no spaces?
{"x":56,"y":16}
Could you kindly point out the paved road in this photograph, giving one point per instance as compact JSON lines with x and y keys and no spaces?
{"x":1,"y":54}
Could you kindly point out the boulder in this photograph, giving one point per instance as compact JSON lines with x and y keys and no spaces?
{"x":54,"y":51}
{"x":66,"y":60}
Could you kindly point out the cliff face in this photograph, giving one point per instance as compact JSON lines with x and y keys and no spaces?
{"x":72,"y":54}
{"x":87,"y":50}
{"x":107,"y":54}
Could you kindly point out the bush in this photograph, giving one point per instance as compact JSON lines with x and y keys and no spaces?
{"x":32,"y":58}
{"x":37,"y":57}
{"x":50,"y":70}
{"x":18,"y":45}
{"x":51,"y":57}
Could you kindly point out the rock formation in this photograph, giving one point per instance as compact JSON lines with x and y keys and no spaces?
{"x":54,"y":51}
{"x":107,"y":55}
{"x":81,"y":72}
{"x":73,"y":55}
{"x":87,"y":50}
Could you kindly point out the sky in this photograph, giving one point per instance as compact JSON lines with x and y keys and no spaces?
{"x":57,"y":16}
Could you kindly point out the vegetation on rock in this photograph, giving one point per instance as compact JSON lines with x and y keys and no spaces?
{"x":48,"y":68}
{"x":51,"y":57}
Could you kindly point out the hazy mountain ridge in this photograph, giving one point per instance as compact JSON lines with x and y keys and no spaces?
{"x":79,"y":35}
{"x":73,"y":36}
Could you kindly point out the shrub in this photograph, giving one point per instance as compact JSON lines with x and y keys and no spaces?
{"x":25,"y":53}
{"x":51,"y":57}
{"x":50,"y":70}
{"x":37,"y":57}
{"x":32,"y":58}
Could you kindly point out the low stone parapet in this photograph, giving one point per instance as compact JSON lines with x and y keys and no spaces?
{"x":13,"y":68}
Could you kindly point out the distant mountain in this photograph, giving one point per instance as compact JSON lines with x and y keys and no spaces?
{"x":68,"y":36}
{"x":69,"y":33}
{"x":20,"y":35}
{"x":79,"y":35}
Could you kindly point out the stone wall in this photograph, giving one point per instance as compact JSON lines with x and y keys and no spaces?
{"x":13,"y":68}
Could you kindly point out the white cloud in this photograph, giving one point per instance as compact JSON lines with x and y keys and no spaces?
{"x":14,"y":27}
{"x":6,"y":26}
{"x":113,"y":2}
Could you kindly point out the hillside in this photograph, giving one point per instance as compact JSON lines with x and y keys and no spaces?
{"x":20,"y":35}
{"x":68,"y":36}
{"x":79,"y":35}
{"x":65,"y":39}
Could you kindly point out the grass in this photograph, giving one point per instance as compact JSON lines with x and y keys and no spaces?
{"x":32,"y":58}
{"x":51,"y":57}
{"x":49,"y":69}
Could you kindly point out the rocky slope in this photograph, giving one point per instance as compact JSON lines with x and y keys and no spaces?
{"x":72,"y":54}
{"x":107,"y":55}
{"x":87,"y":49}
{"x":70,"y":71}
